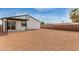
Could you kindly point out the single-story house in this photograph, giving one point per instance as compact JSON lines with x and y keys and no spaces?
{"x":19,"y":23}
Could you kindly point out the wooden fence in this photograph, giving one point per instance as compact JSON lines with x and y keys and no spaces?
{"x":72,"y":27}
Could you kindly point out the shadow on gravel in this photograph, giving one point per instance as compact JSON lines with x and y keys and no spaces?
{"x":3,"y":33}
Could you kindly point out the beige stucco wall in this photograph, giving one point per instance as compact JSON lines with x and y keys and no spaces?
{"x":33,"y":24}
{"x":19,"y":27}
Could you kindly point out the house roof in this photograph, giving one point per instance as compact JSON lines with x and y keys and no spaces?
{"x":13,"y":17}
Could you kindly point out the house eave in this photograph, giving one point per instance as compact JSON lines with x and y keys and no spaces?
{"x":12,"y":18}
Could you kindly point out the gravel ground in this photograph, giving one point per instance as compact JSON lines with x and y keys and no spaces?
{"x":40,"y":40}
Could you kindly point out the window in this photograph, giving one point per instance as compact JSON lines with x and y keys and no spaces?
{"x":11,"y":24}
{"x":23,"y":23}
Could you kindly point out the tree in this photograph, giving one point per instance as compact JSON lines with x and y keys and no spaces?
{"x":74,"y":15}
{"x":42,"y":23}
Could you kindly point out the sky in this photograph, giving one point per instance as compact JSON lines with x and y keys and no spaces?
{"x":47,"y":15}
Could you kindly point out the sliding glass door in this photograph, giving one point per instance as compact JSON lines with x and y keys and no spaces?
{"x":11,"y":25}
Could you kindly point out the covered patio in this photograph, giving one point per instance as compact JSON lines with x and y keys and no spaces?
{"x":10,"y":23}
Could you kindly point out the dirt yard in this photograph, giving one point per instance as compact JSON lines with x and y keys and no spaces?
{"x":40,"y":40}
